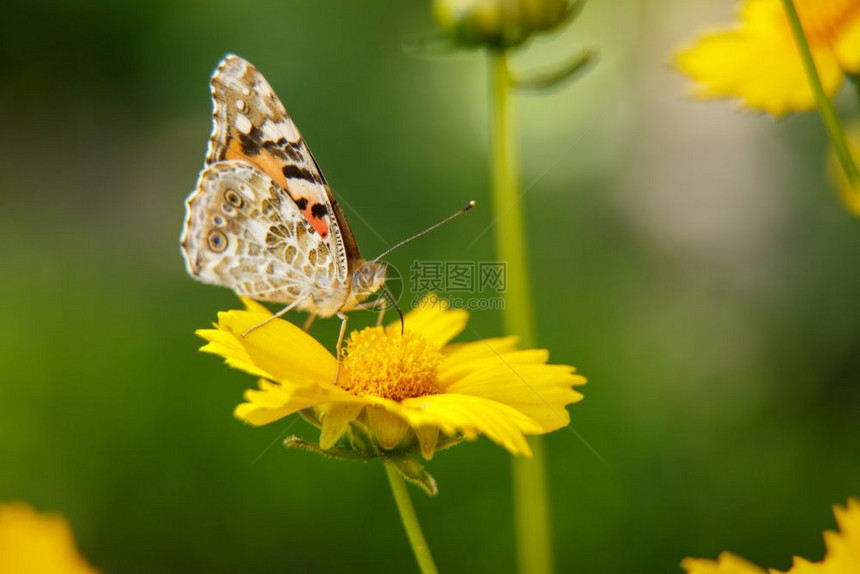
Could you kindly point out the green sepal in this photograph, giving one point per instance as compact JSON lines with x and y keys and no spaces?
{"x":444,"y":443}
{"x":361,"y":441}
{"x":431,"y":45}
{"x":413,"y":471}
{"x":335,"y":453}
{"x":551,"y":79}
{"x":448,"y":442}
{"x":310,"y":415}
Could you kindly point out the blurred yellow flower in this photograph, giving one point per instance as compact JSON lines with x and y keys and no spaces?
{"x":758,"y":60}
{"x":34,"y":543}
{"x":726,"y":563}
{"x":404,"y":389}
{"x":843,"y":547}
{"x":842,"y":556}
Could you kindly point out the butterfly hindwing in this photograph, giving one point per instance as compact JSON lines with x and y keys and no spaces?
{"x":243,"y":232}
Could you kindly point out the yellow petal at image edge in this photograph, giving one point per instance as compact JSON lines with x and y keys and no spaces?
{"x":843,"y":547}
{"x":758,"y":63}
{"x":35,"y":543}
{"x":802,"y":566}
{"x":726,"y":563}
{"x":847,"y":46}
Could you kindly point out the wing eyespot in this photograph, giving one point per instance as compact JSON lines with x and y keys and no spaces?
{"x":233,"y":198}
{"x":218,"y":220}
{"x":217,"y":241}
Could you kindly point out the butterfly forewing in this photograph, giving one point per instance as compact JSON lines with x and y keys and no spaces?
{"x":262,"y":220}
{"x":251,"y":124}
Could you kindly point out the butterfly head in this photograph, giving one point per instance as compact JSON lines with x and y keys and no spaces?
{"x":368,"y":279}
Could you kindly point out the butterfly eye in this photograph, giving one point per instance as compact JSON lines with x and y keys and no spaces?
{"x":233,"y":198}
{"x":217,"y":241}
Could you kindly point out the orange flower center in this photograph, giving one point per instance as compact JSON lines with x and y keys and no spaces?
{"x":824,"y":19}
{"x":390,"y":365}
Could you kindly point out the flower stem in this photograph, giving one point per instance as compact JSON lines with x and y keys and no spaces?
{"x":534,"y":549}
{"x":855,"y":79}
{"x":825,"y":107}
{"x":410,"y":522}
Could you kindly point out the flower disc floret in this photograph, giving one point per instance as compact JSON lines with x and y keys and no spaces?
{"x":392,"y":367}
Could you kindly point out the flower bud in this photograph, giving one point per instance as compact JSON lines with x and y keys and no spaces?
{"x":498,"y":23}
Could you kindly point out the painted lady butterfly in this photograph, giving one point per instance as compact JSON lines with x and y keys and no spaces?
{"x":262,"y":219}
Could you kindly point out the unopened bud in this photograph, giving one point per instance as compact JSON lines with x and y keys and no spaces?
{"x":498,"y":23}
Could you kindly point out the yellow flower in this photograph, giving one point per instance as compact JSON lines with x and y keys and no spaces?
{"x":33,"y":543}
{"x":758,"y":60}
{"x":842,"y":557}
{"x":843,"y":547}
{"x":410,"y":390}
{"x":726,"y":563}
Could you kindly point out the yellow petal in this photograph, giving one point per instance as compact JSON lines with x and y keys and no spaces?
{"x":428,"y":437}
{"x":803,"y":566}
{"x":336,"y":420}
{"x":388,"y":428}
{"x":759,"y":62}
{"x":278,"y":348}
{"x":434,"y":321}
{"x":254,"y":306}
{"x":843,"y":547}
{"x":275,"y":400}
{"x":33,"y":543}
{"x":847,"y":45}
{"x":470,"y":416}
{"x":727,"y":563}
{"x":481,"y":349}
{"x":227,"y":345}
{"x":455,"y":368}
{"x":541,"y":392}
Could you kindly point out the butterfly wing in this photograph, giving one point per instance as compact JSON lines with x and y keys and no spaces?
{"x":243,"y":232}
{"x":251,"y":124}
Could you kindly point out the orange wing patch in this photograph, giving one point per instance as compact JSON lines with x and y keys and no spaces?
{"x":276,"y":168}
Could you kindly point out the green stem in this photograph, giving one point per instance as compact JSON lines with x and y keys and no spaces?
{"x":825,"y":107}
{"x":534,"y":548}
{"x":855,"y":79}
{"x":410,"y":522}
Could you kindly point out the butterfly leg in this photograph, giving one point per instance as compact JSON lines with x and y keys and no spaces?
{"x":381,"y":316}
{"x":280,"y":313}
{"x":343,"y":319}
{"x":308,"y":322}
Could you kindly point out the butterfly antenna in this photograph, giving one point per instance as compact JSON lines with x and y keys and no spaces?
{"x":390,"y":298}
{"x":459,"y":212}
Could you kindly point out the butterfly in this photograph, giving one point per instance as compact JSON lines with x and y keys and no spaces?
{"x":262,"y":219}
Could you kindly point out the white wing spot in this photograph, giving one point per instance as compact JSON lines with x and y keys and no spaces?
{"x":246,"y":91}
{"x":274,"y":130}
{"x":240,"y":105}
{"x":243,"y":124}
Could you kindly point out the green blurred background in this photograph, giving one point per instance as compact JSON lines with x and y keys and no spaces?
{"x":690,"y":260}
